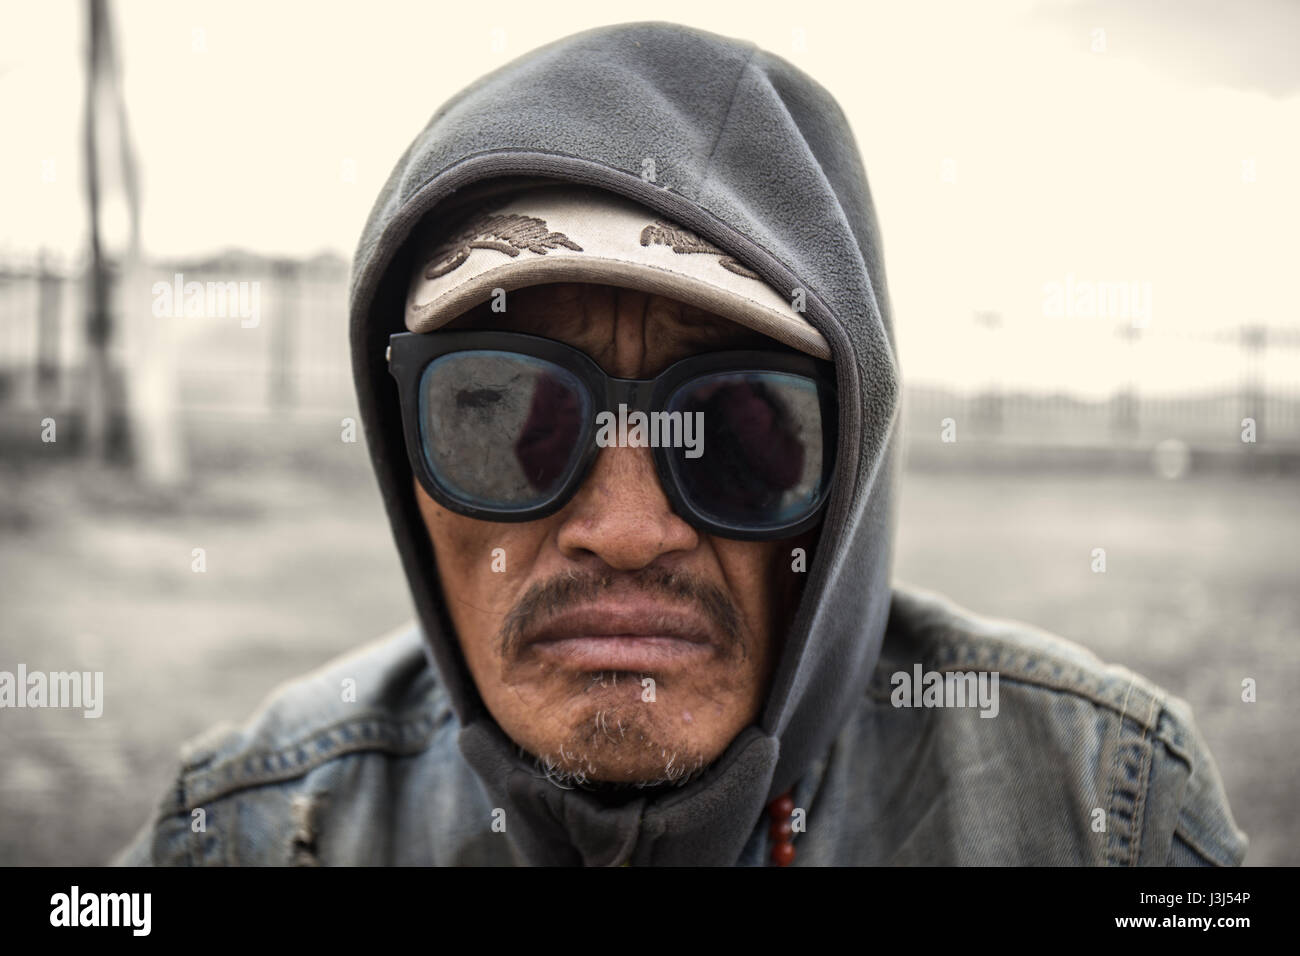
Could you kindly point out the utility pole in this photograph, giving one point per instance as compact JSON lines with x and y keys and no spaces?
{"x":98,"y":404}
{"x":130,"y":405}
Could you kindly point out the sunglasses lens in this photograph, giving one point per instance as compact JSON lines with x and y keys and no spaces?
{"x":761,"y":464}
{"x":501,"y":430}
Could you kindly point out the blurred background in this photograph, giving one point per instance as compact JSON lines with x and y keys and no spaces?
{"x":1089,"y":211}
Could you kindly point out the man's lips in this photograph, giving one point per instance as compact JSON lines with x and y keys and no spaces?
{"x":622,"y":635}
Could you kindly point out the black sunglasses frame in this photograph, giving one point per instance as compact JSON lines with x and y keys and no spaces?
{"x":410,"y":353}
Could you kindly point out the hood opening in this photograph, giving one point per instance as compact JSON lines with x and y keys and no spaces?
{"x":757,"y":159}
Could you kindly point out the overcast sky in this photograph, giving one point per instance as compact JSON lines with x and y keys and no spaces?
{"x":1012,"y":147}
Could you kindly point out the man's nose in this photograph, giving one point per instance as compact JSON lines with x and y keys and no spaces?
{"x":621,"y":514}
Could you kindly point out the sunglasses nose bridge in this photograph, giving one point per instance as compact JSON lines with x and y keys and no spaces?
{"x":634,"y":393}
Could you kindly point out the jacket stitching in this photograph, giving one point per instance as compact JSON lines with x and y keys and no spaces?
{"x":353,"y":735}
{"x":1170,"y":733}
{"x":1114,"y":820}
{"x":1130,"y":773}
{"x":1057,"y":674}
{"x":1126,"y":802}
{"x":1150,"y":722}
{"x":1200,"y":846}
{"x":1139,"y":720}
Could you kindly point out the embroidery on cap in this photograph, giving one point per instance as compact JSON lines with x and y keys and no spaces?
{"x":683,"y":240}
{"x":508,"y":233}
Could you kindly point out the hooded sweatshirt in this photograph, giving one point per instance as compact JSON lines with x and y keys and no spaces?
{"x":751,"y":154}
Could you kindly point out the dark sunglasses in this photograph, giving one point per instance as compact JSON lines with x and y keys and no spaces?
{"x":502,"y":426}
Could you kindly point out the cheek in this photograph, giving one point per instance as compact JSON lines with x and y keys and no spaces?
{"x":482,"y":565}
{"x":752,"y":570}
{"x":763,"y":581}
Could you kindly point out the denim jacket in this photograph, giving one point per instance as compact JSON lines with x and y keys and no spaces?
{"x":1083,"y":764}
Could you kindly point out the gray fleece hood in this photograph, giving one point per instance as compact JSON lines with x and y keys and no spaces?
{"x":754,"y":156}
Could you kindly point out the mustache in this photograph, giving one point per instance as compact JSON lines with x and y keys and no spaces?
{"x":555,"y":595}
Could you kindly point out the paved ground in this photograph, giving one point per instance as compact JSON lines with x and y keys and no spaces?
{"x":1200,"y":592}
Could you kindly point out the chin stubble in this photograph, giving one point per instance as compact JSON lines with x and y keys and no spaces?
{"x":616,"y":734}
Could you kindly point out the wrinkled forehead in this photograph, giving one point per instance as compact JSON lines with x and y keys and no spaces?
{"x":616,"y":326}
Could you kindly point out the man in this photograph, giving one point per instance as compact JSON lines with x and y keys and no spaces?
{"x":624,"y":353}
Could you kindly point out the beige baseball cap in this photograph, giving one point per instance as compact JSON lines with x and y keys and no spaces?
{"x":573,"y":233}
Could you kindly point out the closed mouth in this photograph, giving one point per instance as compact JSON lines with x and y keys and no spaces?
{"x":636,"y":634}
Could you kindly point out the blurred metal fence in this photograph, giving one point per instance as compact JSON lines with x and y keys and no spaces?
{"x":294,"y":360}
{"x":291,"y":356}
{"x":1207,"y":420}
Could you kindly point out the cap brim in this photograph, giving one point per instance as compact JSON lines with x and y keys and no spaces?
{"x":580,"y":234}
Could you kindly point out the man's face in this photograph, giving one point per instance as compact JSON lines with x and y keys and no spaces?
{"x":619,"y":644}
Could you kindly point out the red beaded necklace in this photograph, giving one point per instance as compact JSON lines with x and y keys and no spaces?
{"x":781,"y":831}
